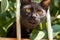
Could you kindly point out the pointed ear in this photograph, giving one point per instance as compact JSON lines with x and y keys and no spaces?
{"x":45,"y":3}
{"x":24,"y":2}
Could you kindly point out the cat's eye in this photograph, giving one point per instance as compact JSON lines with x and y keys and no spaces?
{"x":39,"y":12}
{"x":28,"y":10}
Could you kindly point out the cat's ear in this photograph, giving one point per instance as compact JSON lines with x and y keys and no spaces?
{"x":45,"y":3}
{"x":24,"y":2}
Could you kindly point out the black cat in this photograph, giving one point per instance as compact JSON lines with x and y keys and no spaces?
{"x":32,"y":13}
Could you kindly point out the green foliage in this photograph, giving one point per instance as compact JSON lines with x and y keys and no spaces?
{"x":36,"y":35}
{"x":56,"y":30}
{"x":4,"y":5}
{"x":55,"y":6}
{"x":7,"y":16}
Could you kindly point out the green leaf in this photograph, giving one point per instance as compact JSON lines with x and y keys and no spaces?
{"x":36,"y":35}
{"x":40,"y":35}
{"x":58,"y":16}
{"x":56,"y":3}
{"x":4,"y":5}
{"x":55,"y":34}
{"x":56,"y":28}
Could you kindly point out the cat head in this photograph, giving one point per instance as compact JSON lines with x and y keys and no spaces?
{"x":32,"y":13}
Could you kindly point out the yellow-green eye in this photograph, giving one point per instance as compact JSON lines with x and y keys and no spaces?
{"x":28,"y":10}
{"x":39,"y":12}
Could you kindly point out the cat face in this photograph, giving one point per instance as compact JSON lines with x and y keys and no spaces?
{"x":32,"y":14}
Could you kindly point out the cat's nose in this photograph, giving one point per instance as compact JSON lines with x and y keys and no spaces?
{"x":33,"y":17}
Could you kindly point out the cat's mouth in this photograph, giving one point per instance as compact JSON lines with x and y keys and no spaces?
{"x":31,"y":22}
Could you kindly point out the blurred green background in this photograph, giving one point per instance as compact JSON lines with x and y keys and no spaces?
{"x":7,"y":18}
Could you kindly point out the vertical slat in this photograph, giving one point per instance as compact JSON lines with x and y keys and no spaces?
{"x":18,"y":26}
{"x":50,"y":31}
